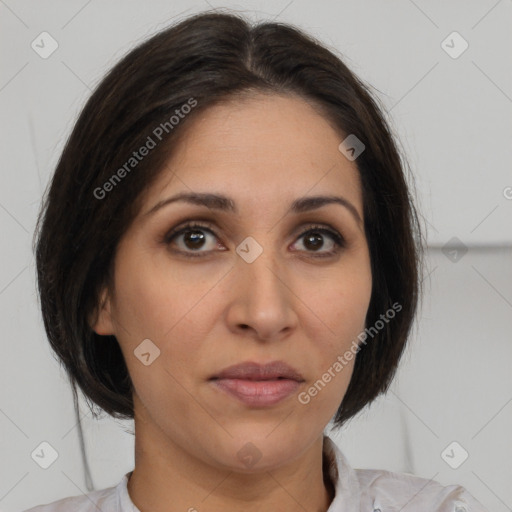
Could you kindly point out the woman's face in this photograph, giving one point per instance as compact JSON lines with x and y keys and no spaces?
{"x":247,"y":285}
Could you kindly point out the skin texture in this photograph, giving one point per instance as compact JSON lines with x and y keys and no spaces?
{"x":205,"y":314}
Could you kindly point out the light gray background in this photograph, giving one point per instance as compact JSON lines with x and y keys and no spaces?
{"x":453,"y":116}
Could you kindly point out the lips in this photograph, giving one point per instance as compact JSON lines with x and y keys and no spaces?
{"x":258,"y":385}
{"x":260,"y":372}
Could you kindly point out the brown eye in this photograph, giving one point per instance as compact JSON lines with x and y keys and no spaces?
{"x":191,"y":238}
{"x":314,"y":241}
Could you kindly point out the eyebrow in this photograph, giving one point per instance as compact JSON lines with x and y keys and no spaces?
{"x":223,"y":203}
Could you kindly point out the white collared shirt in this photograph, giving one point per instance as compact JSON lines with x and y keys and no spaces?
{"x":356,"y":490}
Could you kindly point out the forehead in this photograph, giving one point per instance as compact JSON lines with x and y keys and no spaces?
{"x":265,"y":148}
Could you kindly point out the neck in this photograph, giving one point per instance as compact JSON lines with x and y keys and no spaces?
{"x":166,"y":473}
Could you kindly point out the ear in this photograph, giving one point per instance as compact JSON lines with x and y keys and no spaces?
{"x":101,"y":323}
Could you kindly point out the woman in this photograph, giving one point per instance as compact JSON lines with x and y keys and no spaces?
{"x":229,"y":254}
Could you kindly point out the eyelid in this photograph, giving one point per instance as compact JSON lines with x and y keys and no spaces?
{"x":301,"y":229}
{"x":188,"y":224}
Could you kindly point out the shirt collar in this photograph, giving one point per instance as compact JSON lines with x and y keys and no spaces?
{"x":344,"y":479}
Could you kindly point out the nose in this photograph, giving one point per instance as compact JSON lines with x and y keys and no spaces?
{"x":262,"y":300}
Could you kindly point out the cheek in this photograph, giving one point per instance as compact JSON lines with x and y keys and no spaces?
{"x":153,"y":297}
{"x":341,"y":302}
{"x":346,"y":305}
{"x":155,"y":302}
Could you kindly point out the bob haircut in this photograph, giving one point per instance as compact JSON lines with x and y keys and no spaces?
{"x":205,"y":60}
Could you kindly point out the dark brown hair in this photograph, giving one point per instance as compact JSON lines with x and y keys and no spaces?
{"x":212,"y":58}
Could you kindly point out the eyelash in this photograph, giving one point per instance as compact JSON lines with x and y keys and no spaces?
{"x":191,"y":226}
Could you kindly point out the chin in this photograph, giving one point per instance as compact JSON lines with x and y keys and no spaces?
{"x":259,"y":449}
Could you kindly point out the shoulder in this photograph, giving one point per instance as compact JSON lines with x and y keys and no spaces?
{"x":379,"y":490}
{"x":390,"y":491}
{"x":105,"y":500}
